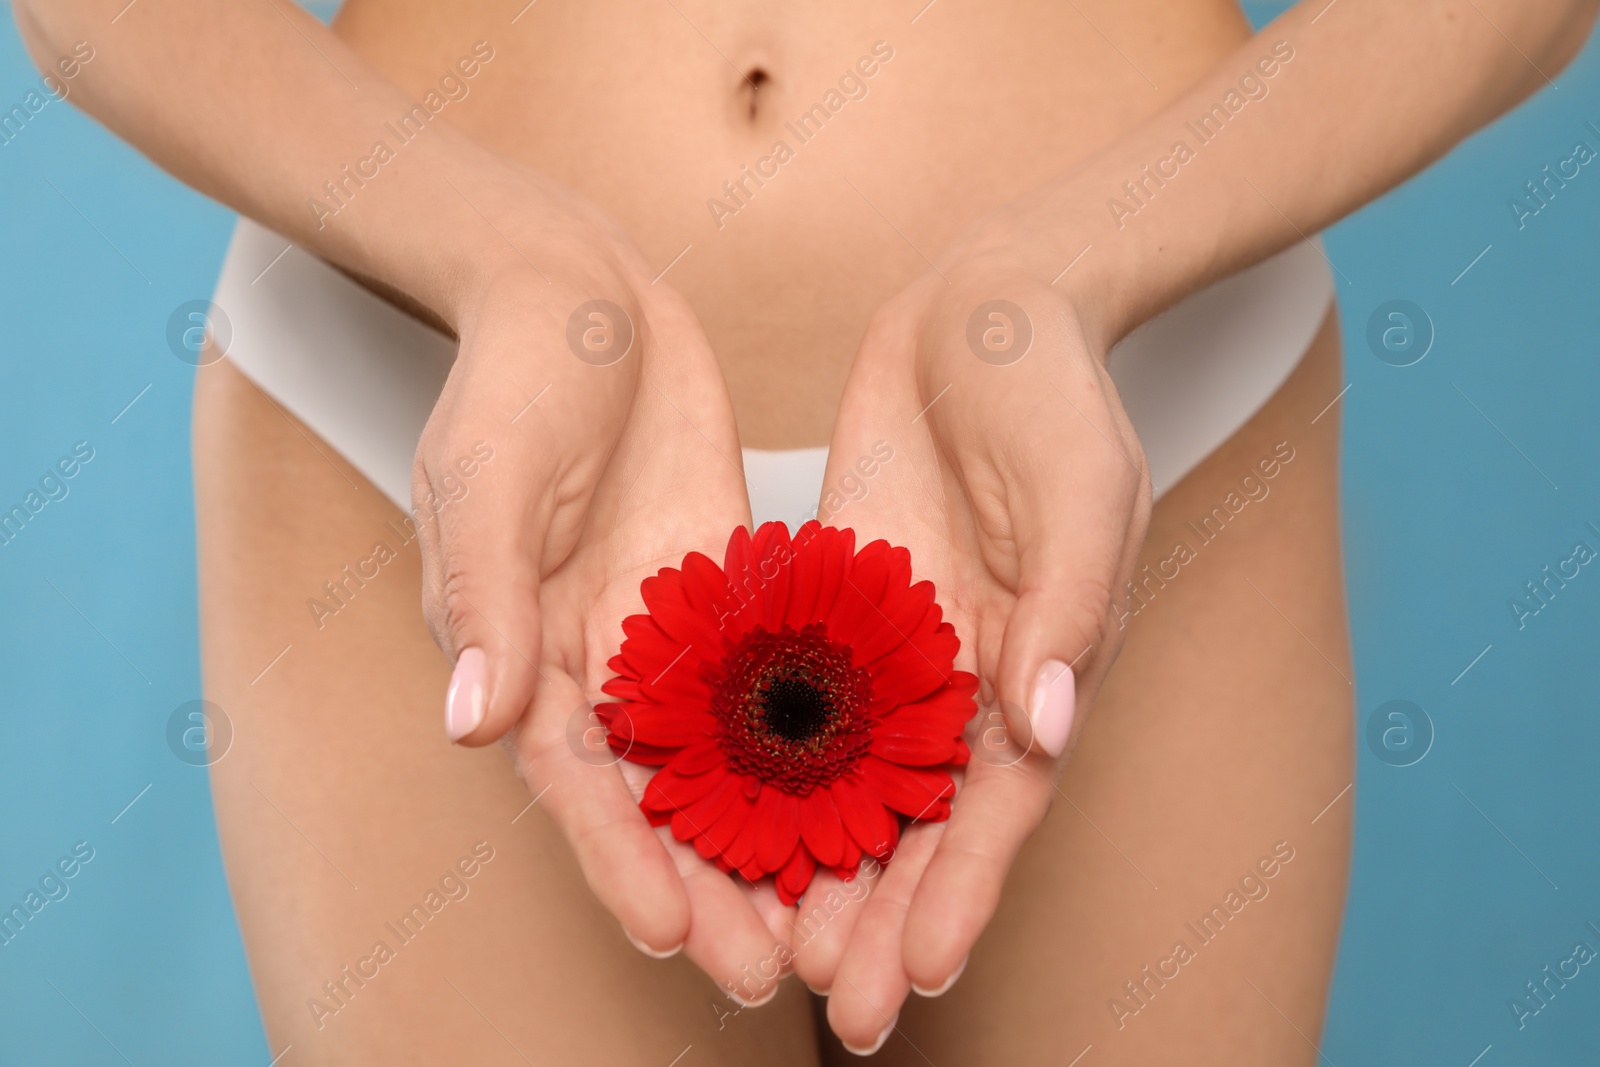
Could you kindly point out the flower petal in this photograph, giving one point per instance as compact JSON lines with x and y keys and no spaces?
{"x":852,"y":858}
{"x":646,"y":647}
{"x":624,"y":689}
{"x":619,"y":665}
{"x":704,"y":584}
{"x":698,"y":759}
{"x":805,"y":578}
{"x":865,"y":818}
{"x":774,"y":556}
{"x":664,"y":727}
{"x":720,"y":834}
{"x":831,"y":551}
{"x":642,"y":754}
{"x":945,"y":711}
{"x":857,"y":605}
{"x":687,"y":627}
{"x":687,"y":822}
{"x":741,"y":853}
{"x":915,"y":749}
{"x":671,"y":790}
{"x":734,"y":560}
{"x":916,"y":668}
{"x":672,"y":657}
{"x":796,"y":876}
{"x":779,"y":813}
{"x":905,"y":613}
{"x":912,"y":791}
{"x":820,"y":827}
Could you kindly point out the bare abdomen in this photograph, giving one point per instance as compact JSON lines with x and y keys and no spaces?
{"x":801,"y":163}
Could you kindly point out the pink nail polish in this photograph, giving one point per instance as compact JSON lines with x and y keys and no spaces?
{"x":463,"y":704}
{"x":1054,"y":700}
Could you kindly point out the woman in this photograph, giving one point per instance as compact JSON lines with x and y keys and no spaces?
{"x":970,"y":206}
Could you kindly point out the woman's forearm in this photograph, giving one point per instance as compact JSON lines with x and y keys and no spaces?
{"x":1325,"y":109}
{"x":263,"y":108}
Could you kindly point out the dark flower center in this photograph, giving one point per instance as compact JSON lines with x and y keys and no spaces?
{"x":795,"y":709}
{"x":791,"y":707}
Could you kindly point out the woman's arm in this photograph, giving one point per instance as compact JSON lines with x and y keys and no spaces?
{"x":1328,"y":107}
{"x":257,"y":104}
{"x":1023,"y":492}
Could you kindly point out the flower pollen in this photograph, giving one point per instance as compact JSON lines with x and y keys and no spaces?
{"x":791,"y":707}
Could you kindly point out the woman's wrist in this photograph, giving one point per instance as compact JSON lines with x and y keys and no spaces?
{"x":1048,"y":238}
{"x":503,"y":228}
{"x":1116,"y":275}
{"x":426,"y":232}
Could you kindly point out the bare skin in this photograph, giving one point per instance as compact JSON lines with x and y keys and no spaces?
{"x":651,"y":125}
{"x":1156,"y":779}
{"x":1221,"y":732}
{"x":340,"y":741}
{"x":580,"y":165}
{"x":1224,"y":729}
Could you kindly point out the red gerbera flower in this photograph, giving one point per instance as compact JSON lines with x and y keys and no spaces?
{"x":796,"y":699}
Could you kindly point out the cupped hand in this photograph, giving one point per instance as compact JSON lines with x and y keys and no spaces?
{"x":1019,"y":486}
{"x":583,"y":440}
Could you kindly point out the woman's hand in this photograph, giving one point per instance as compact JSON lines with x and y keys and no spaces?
{"x":614,"y":453}
{"x":1021,"y":490}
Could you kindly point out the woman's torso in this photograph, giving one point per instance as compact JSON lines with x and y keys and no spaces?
{"x":899,"y":125}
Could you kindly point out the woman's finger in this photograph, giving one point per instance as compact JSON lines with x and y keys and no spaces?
{"x":1081,"y":506}
{"x":728,"y":938}
{"x":997,"y":809}
{"x":620,"y":853}
{"x":501,"y":493}
{"x":871,"y":983}
{"x":480,"y":580}
{"x":825,"y":921}
{"x":779,"y":917}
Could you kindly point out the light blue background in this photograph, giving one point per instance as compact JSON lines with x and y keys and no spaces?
{"x":1452,"y":907}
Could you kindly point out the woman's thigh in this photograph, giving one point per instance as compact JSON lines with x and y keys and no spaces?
{"x":1181,"y":902}
{"x":401,"y":900}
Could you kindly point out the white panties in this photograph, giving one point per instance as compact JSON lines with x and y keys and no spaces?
{"x":364,"y":375}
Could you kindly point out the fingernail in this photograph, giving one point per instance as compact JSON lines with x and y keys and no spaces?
{"x":876,"y":1045}
{"x":652,"y":953}
{"x":948,"y":982}
{"x":1054,"y":700}
{"x":756,"y":1003}
{"x":816,"y":991}
{"x":463,"y":704}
